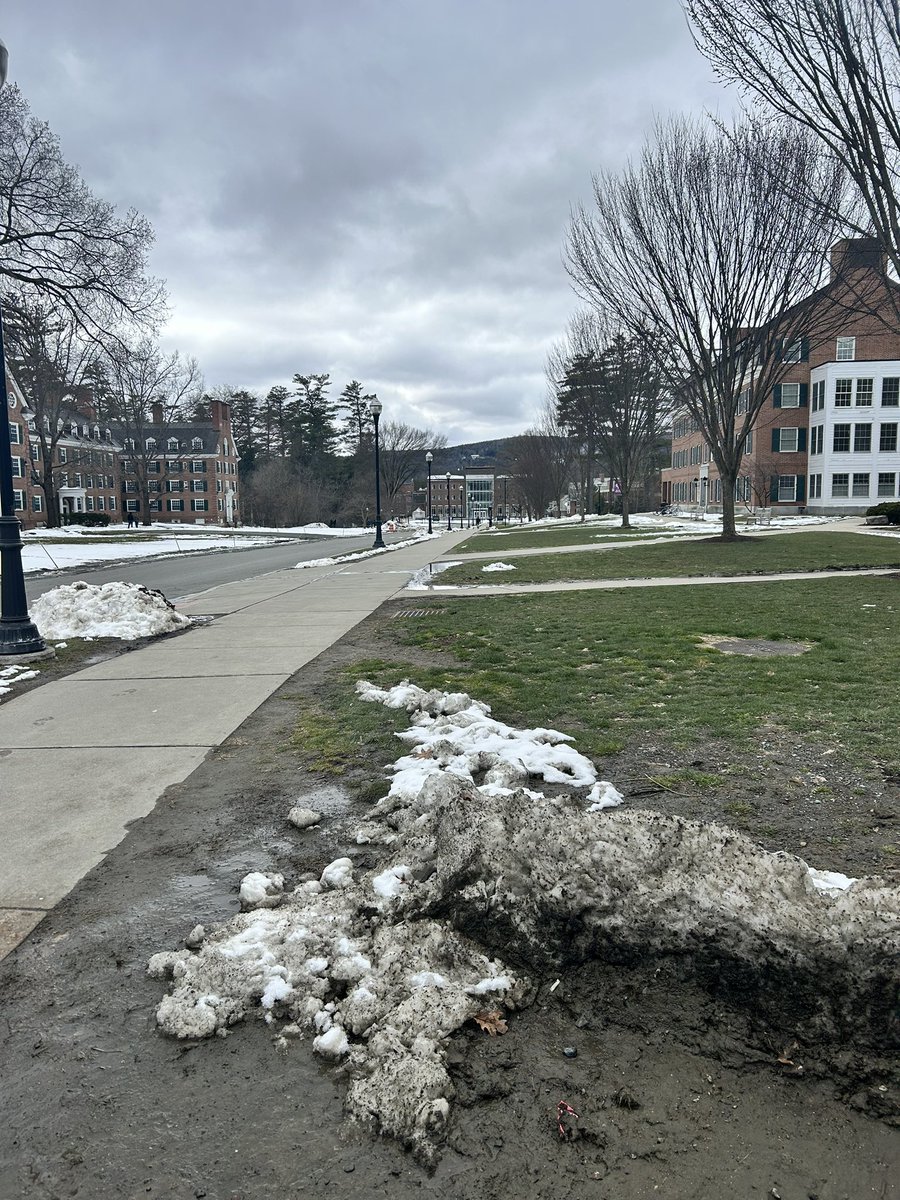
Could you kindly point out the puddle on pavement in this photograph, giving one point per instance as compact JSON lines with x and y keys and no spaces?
{"x":330,"y":800}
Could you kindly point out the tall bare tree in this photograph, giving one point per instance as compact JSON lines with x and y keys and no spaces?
{"x":699,"y":247}
{"x":540,"y":462}
{"x":403,"y":450}
{"x":151,"y":390}
{"x":616,"y":382}
{"x":830,"y":66}
{"x":60,"y":240}
{"x":52,"y":359}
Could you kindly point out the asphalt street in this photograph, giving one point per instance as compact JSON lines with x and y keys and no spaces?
{"x":180,"y":575}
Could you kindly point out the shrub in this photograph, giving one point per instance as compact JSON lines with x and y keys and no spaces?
{"x":889,"y":509}
{"x":86,"y":518}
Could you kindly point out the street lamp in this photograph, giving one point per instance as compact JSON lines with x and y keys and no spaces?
{"x":19,"y":635}
{"x":429,"y":458}
{"x":449,"y":526}
{"x":378,"y":544}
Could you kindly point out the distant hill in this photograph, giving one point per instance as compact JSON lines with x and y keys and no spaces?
{"x":492,"y":453}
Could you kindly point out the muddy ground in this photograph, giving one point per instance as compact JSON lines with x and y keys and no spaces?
{"x":679,"y":1091}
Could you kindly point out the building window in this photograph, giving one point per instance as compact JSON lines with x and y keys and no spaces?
{"x":818,"y":395}
{"x":840,"y":484}
{"x":787,"y":487}
{"x":862,"y":439}
{"x":175,"y":505}
{"x":153,"y":467}
{"x":130,"y":485}
{"x":887,"y":483}
{"x":788,"y":440}
{"x":817,"y":439}
{"x":15,"y":434}
{"x":101,"y":504}
{"x":35,"y":449}
{"x":864,"y":391}
{"x":843,"y":393}
{"x":790,"y":395}
{"x":846,"y":349}
{"x":888,"y":437}
{"x":128,"y":444}
{"x":37,"y":502}
{"x":815,"y":487}
{"x":112,"y":504}
{"x":793,"y":351}
{"x":197,"y":443}
{"x":18,"y":499}
{"x":198,"y":466}
{"x":199,"y":485}
{"x":890,"y":391}
{"x":860,"y":485}
{"x":90,"y":503}
{"x":199,"y":505}
{"x":152,"y":485}
{"x":172,"y":444}
{"x":154,"y":506}
{"x":151,"y":443}
{"x":131,"y":506}
{"x":220,"y":505}
{"x":18,"y":468}
{"x":841,"y":443}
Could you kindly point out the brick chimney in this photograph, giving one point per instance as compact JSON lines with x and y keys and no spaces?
{"x":220,"y":414}
{"x":84,"y":402}
{"x":156,"y":412}
{"x":850,"y":255}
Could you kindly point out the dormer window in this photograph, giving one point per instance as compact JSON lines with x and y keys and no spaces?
{"x":151,"y":443}
{"x":96,"y":433}
{"x":197,"y":444}
{"x":172,"y":444}
{"x":73,"y":428}
{"x":128,"y":444}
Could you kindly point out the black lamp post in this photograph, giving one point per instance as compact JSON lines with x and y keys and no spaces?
{"x":429,"y":458}
{"x":378,"y":544}
{"x":449,"y":526}
{"x":18,"y":634}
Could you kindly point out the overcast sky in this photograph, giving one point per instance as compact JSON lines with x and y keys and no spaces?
{"x":379,"y":189}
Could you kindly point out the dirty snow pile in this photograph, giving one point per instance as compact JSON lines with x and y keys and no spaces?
{"x":381,"y":966}
{"x":499,"y":566}
{"x":115,"y":610}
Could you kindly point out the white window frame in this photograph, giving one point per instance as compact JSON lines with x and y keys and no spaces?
{"x":794,"y":401}
{"x":885,"y":489}
{"x":865,"y":403}
{"x":787,"y":488}
{"x":845,"y":349}
{"x":788,"y":449}
{"x":840,"y":491}
{"x":856,"y":491}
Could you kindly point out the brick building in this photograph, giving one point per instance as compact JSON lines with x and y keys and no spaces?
{"x":192,"y":470}
{"x":182,"y":471}
{"x":825,"y":440}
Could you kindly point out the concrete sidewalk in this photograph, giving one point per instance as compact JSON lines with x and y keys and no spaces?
{"x":85,"y":755}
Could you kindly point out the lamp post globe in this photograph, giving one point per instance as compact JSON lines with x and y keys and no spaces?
{"x":19,"y":637}
{"x":449,"y":526}
{"x":378,"y":544}
{"x":429,"y":458}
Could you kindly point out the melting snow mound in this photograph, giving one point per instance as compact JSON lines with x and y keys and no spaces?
{"x":382,"y":966}
{"x":116,"y":610}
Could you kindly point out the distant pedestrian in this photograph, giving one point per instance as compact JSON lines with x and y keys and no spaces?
{"x":131,"y":520}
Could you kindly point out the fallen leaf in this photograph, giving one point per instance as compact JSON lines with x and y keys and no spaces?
{"x":490,"y":1022}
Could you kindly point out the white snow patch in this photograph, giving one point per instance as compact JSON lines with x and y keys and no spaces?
{"x":261,"y":890}
{"x":499,"y":566}
{"x":115,"y":610}
{"x":603,"y":795}
{"x":338,"y":874}
{"x":304,"y":818}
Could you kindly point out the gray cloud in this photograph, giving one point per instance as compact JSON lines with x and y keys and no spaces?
{"x":376,"y":188}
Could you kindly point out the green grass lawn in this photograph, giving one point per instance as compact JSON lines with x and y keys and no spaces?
{"x":564,"y":535}
{"x":761,"y":554}
{"x":612,"y":667}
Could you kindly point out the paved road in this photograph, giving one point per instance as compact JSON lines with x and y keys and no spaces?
{"x":180,"y":575}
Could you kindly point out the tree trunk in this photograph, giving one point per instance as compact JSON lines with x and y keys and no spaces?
{"x":626,"y":523}
{"x":729,"y":531}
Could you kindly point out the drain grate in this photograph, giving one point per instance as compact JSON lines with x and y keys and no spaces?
{"x":420,"y":612}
